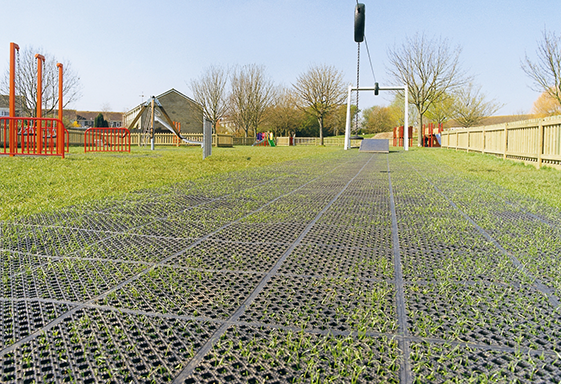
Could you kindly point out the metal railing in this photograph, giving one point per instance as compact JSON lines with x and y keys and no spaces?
{"x":107,"y":140}
{"x":168,"y":139}
{"x":32,"y":136}
{"x":77,"y":138}
{"x":537,"y":141}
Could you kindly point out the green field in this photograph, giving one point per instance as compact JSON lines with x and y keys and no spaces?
{"x":42,"y":184}
{"x":39,"y":184}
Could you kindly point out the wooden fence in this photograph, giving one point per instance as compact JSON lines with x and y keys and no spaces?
{"x":244,"y":140}
{"x":285,"y":141}
{"x":536,"y":141}
{"x":327,"y":141}
{"x":76,"y":137}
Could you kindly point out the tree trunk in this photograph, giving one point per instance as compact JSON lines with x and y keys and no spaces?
{"x":320,"y":121}
{"x":420,"y":141}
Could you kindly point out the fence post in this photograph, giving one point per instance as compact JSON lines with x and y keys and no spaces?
{"x":540,"y":143}
{"x":505,"y":141}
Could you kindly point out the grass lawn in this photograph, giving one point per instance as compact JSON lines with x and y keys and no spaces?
{"x":38,"y":184}
{"x":543,"y":184}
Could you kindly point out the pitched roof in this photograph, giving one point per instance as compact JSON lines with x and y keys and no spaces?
{"x":5,"y":101}
{"x":172,"y":90}
{"x":91,"y":115}
{"x":492,"y":120}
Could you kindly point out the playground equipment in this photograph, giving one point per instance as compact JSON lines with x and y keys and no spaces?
{"x":431,"y":135}
{"x":375,"y":145}
{"x":32,"y":136}
{"x":156,"y":116}
{"x":265,"y":139}
{"x":176,"y":139}
{"x":376,"y":88}
{"x":399,"y":136}
{"x":107,"y":140}
{"x":28,"y":135}
{"x":359,"y":37}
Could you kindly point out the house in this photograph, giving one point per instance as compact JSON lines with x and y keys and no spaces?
{"x":85,"y":119}
{"x":491,"y":120}
{"x":5,"y":105}
{"x":179,"y":107}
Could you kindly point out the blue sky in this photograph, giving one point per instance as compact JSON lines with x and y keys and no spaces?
{"x":123,"y":49}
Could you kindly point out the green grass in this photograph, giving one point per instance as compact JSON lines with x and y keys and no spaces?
{"x":541,"y":184}
{"x":29,"y":185}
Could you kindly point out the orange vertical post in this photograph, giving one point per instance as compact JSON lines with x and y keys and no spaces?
{"x":60,"y":130}
{"x":12,"y":101}
{"x":40,"y":61}
{"x":39,"y":110}
{"x":429,"y":134}
{"x":176,"y":139}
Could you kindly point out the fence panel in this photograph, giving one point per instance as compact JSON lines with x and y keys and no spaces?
{"x":537,"y":141}
{"x":107,"y":140}
{"x":32,"y":136}
{"x":552,"y":140}
{"x":494,"y":141}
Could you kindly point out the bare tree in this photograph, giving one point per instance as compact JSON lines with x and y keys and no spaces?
{"x":319,"y":91}
{"x":471,"y":107}
{"x":283,"y":116}
{"x":546,"y":71}
{"x":336,"y":119}
{"x":251,"y":94}
{"x":209,"y":91}
{"x":429,"y":67}
{"x":26,"y":82}
{"x":441,"y":109}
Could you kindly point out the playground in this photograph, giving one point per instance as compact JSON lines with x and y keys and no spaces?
{"x":339,"y":266}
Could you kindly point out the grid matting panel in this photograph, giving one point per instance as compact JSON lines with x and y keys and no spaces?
{"x":254,"y":355}
{"x":286,"y":274}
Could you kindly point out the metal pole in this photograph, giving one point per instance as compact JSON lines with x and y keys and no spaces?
{"x":207,"y":138}
{"x":39,"y":108}
{"x":348,"y":123}
{"x":152,"y":125}
{"x":60,"y":131}
{"x":13,"y":124}
{"x":406,"y":119}
{"x":13,"y":48}
{"x":40,"y":61}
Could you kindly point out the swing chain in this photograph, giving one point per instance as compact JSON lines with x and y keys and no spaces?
{"x":17,"y":84}
{"x":357,"y":85}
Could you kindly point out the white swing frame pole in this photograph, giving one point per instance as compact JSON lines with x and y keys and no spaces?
{"x":348,"y":123}
{"x":406,"y":114}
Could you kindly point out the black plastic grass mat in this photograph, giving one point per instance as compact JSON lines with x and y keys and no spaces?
{"x":357,"y":268}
